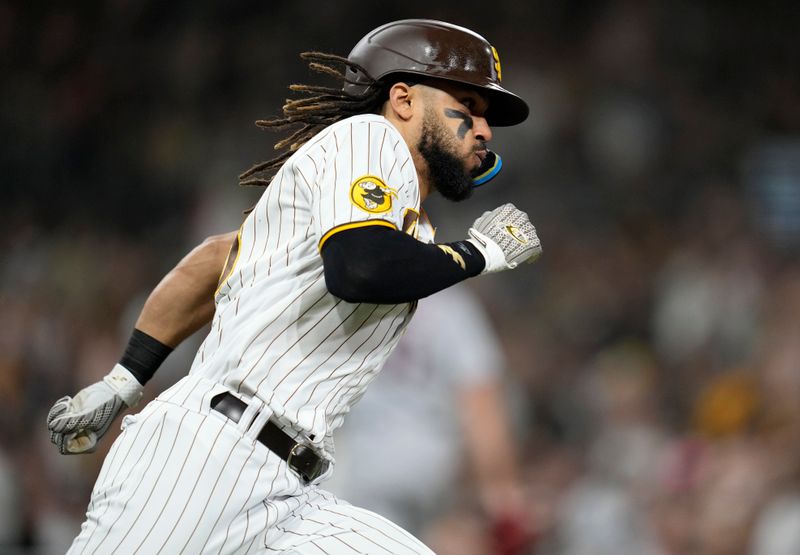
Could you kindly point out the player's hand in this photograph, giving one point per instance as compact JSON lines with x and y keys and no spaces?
{"x":77,"y":423}
{"x":505,"y":237}
{"x":510,"y":534}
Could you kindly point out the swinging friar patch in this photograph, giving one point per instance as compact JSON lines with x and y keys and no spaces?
{"x":371,"y":194}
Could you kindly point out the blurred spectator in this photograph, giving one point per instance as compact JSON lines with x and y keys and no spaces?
{"x":604,"y":511}
{"x":777,"y":530}
{"x":9,"y":504}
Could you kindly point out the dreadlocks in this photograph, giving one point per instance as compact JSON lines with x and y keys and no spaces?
{"x":321,"y":107}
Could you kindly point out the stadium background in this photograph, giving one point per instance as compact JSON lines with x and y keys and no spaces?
{"x":655,"y":348}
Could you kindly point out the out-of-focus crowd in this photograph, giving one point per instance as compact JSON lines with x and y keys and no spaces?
{"x":654,"y":349}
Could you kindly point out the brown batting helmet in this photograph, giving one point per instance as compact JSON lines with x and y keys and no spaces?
{"x":434,"y":49}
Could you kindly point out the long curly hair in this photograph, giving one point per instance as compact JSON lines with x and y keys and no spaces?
{"x":318,"y":108}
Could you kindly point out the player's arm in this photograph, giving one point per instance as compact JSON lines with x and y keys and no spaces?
{"x":377,"y":264}
{"x":183,"y":302}
{"x":179,"y":305}
{"x":490,"y":449}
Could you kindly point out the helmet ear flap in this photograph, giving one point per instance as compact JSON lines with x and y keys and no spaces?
{"x":357,"y":81}
{"x":488,"y":169}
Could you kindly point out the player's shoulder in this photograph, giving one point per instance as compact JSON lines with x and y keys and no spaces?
{"x":371,"y":126}
{"x":362,"y":131}
{"x":337,"y":137}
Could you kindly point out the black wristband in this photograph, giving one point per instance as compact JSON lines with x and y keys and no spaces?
{"x":143,"y":355}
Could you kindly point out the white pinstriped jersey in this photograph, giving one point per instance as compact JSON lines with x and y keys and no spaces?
{"x":278,"y":334}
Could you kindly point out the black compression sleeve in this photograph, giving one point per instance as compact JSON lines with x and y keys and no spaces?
{"x":143,"y":355}
{"x":379,"y":265}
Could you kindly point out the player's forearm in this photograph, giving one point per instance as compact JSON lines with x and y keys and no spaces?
{"x":490,"y":448}
{"x":183,"y":301}
{"x":181,"y":304}
{"x":380,"y":265}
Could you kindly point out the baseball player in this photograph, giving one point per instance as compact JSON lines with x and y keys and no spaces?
{"x":432,"y":413}
{"x":318,"y":285}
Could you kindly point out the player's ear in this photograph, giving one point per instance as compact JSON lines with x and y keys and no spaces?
{"x":401,"y":100}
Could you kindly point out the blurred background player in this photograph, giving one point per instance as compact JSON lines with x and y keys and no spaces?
{"x":438,"y":412}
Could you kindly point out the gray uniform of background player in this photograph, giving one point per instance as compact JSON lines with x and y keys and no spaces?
{"x":402,"y":446}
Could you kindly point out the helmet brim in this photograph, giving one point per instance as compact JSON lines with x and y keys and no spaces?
{"x":505,"y":108}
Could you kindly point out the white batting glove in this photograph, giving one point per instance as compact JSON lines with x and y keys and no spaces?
{"x":77,"y":423}
{"x":505,"y":237}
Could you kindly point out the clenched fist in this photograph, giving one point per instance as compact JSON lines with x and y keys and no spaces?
{"x":77,"y":423}
{"x":505,"y":237}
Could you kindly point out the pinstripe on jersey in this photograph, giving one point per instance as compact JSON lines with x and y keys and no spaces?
{"x":278,"y":334}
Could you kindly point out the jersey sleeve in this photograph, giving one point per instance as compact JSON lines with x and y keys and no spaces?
{"x":367,"y":179}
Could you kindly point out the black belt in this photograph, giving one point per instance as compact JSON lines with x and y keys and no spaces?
{"x":300,"y":458}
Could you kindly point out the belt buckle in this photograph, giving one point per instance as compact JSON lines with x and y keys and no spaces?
{"x":291,"y":453}
{"x":315,"y":471}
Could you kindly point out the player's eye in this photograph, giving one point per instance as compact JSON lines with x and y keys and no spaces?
{"x":474,"y":105}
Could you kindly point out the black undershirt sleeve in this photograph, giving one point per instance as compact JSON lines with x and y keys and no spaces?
{"x":376,"y":264}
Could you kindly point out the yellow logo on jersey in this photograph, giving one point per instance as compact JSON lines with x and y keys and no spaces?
{"x":518,"y":236}
{"x":497,"y":67}
{"x":457,"y":258}
{"x":370,"y":193}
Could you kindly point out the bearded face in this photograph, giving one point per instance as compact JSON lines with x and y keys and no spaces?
{"x":446,"y":170}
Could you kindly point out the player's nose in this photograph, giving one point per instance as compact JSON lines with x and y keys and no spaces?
{"x":481,"y":129}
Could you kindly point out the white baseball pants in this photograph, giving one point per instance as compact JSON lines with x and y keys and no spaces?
{"x":182,"y":478}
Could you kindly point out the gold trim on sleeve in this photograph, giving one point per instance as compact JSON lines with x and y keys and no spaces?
{"x":353,"y":225}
